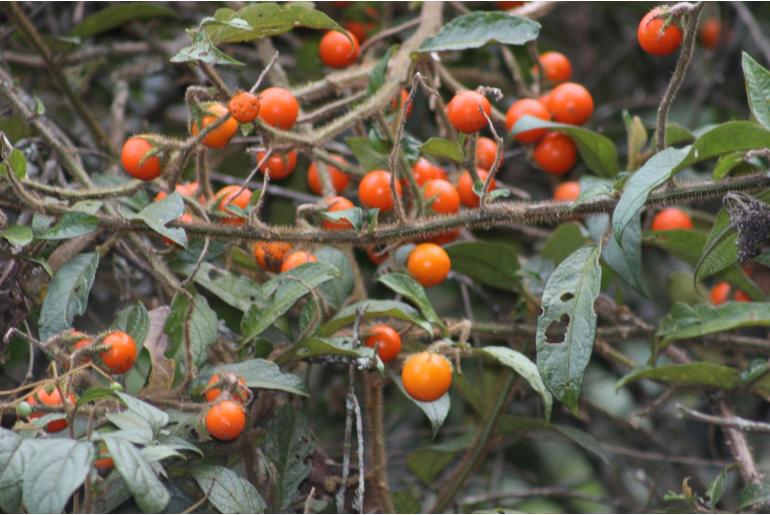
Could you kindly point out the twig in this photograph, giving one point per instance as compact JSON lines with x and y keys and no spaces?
{"x":495,"y":166}
{"x":386,"y":33}
{"x":738,"y":445}
{"x":264,"y":72}
{"x":734,"y":422}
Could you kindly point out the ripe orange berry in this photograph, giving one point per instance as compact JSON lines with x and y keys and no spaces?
{"x":386,"y":340}
{"x":297,"y":258}
{"x":52,"y":399}
{"x":186,"y":189}
{"x":278,"y":108}
{"x":241,"y":393}
{"x":339,"y":178}
{"x":104,"y":462}
{"x":244,"y":107}
{"x":652,"y":40}
{"x":710,"y":33}
{"x":225,"y":420}
{"x":360,"y":29}
{"x":465,"y":187}
{"x":134,"y":160}
{"x":429,"y":264}
{"x":720,"y":293}
{"x":337,"y":204}
{"x":570,"y":103}
{"x":229,"y":196}
{"x":556,"y":67}
{"x":374,"y":190}
{"x":397,"y":103}
{"x":556,"y":153}
{"x":527,"y":107}
{"x":426,"y":376}
{"x":741,"y":296}
{"x":121,"y":352}
{"x":220,"y":136}
{"x":270,"y":254}
{"x":376,"y":254}
{"x":278,"y":166}
{"x":423,"y":171}
{"x":463,"y":111}
{"x":567,"y":191}
{"x":444,"y":196}
{"x":670,"y":219}
{"x":337,"y":50}
{"x":486,"y":150}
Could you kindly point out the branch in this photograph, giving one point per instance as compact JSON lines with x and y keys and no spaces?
{"x":734,"y":422}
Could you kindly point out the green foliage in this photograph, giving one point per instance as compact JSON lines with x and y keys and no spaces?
{"x":67,"y":294}
{"x":476,"y":29}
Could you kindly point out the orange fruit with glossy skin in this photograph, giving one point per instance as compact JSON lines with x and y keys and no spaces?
{"x":556,"y":153}
{"x":337,"y":204}
{"x":339,"y":178}
{"x":486,"y":150}
{"x":464,"y":114}
{"x":104,"y":462}
{"x":426,"y":376}
{"x":297,"y":258}
{"x":241,"y":393}
{"x":278,"y":165}
{"x":121,"y":352}
{"x":374,"y":190}
{"x":52,"y":399}
{"x":465,"y":187}
{"x":376,"y":255}
{"x":710,"y":33}
{"x":229,"y":196}
{"x":570,"y":103}
{"x":386,"y":340}
{"x":338,"y":50}
{"x":527,"y":107}
{"x":720,"y":293}
{"x":423,"y":171}
{"x":556,"y":67}
{"x":445,"y":198}
{"x":244,"y":107}
{"x":220,"y":136}
{"x":135,"y":162}
{"x":225,"y":420}
{"x":278,"y":108}
{"x":670,"y":219}
{"x":567,"y":191}
{"x":186,"y":189}
{"x":428,"y":264}
{"x":440,"y":173}
{"x":652,"y":39}
{"x":271,"y":254}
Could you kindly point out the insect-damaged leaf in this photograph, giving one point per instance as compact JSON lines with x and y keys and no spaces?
{"x":567,"y":325}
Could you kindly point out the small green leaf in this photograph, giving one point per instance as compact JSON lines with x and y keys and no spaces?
{"x":724,"y":139}
{"x":436,"y":411}
{"x":686,"y":322}
{"x":157,"y":214}
{"x":377,"y":76}
{"x":598,"y":151}
{"x":727,"y":163}
{"x":67,"y":295}
{"x":625,"y":258}
{"x":20,"y":235}
{"x":335,"y":292}
{"x":287,"y":446}
{"x":154,"y":417}
{"x":757,"y":88}
{"x":373,"y":308}
{"x":15,"y":161}
{"x":369,"y":157}
{"x":567,"y":326}
{"x":227,"y":491}
{"x":493,"y":264}
{"x":701,"y":373}
{"x":71,"y":225}
{"x":443,"y":149}
{"x":234,"y":289}
{"x":717,"y":488}
{"x":476,"y":29}
{"x":407,"y":287}
{"x":753,"y":494}
{"x":204,"y":50}
{"x":58,"y":468}
{"x":116,"y":15}
{"x":354,"y":215}
{"x":263,"y":374}
{"x":566,"y":239}
{"x":203,"y":329}
{"x":149,"y":493}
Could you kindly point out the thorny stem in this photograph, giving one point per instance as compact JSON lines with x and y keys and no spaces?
{"x":495,"y":165}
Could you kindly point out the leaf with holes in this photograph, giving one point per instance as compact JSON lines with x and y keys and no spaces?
{"x":476,"y":29}
{"x":566,"y":327}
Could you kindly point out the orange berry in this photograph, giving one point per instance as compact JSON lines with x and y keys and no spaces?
{"x":244,"y":107}
{"x":486,"y":151}
{"x":220,"y":136}
{"x":720,"y":293}
{"x":339,"y":178}
{"x":229,"y":196}
{"x":338,"y":50}
{"x":652,"y":40}
{"x":225,"y":420}
{"x":297,"y":258}
{"x":337,"y":204}
{"x":241,"y":393}
{"x":278,"y":166}
{"x":527,"y":107}
{"x":670,"y":219}
{"x":386,"y":340}
{"x":742,"y":296}
{"x":426,"y":376}
{"x":446,"y":199}
{"x":570,"y":103}
{"x":429,"y":264}
{"x":710,"y":33}
{"x":423,"y":171}
{"x":465,"y":187}
{"x":271,"y":254}
{"x":41,"y":396}
{"x":134,"y":160}
{"x":556,"y":153}
{"x":360,"y":29}
{"x":374,"y":190}
{"x":464,"y":114}
{"x":556,"y":67}
{"x":376,"y":255}
{"x":278,"y":108}
{"x":121,"y":352}
{"x":567,"y":191}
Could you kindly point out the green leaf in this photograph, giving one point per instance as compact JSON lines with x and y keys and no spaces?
{"x":67,"y":294}
{"x":678,"y":135}
{"x":598,"y":151}
{"x":757,"y":88}
{"x":522,"y":365}
{"x":203,"y":329}
{"x":493,"y":264}
{"x":155,"y":418}
{"x":16,"y":161}
{"x":407,"y":287}
{"x":71,"y":225}
{"x":287,"y":446}
{"x":716,"y":488}
{"x":227,"y":491}
{"x":157,"y":214}
{"x":443,"y":149}
{"x":236,"y":290}
{"x":135,"y":321}
{"x":567,"y":326}
{"x":285,"y":289}
{"x":264,"y":19}
{"x":512,"y":424}
{"x":95,"y":394}
{"x":149,"y":493}
{"x":685,"y":322}
{"x":476,"y":29}
{"x":374,"y":309}
{"x":566,"y":239}
{"x":724,"y":139}
{"x":369,"y":157}
{"x":116,"y":15}
{"x":436,"y":411}
{"x":652,"y":174}
{"x":354,"y":215}
{"x":204,"y":50}
{"x":57,"y":469}
{"x":700,"y":373}
{"x":753,"y":494}
{"x":377,"y":75}
{"x":428,"y":462}
{"x":626,"y":258}
{"x":15,"y":453}
{"x":727,"y":163}
{"x":19,"y":235}
{"x":335,"y":292}
{"x":263,"y":374}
